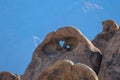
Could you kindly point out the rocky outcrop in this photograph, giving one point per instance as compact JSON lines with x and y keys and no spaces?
{"x":109,"y":30}
{"x":108,"y":42}
{"x":67,"y":54}
{"x":76,"y":47}
{"x":9,"y":76}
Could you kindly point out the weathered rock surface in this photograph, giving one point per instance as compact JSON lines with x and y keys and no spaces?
{"x":108,"y":42}
{"x":67,"y":70}
{"x":9,"y":76}
{"x":67,"y":54}
{"x":109,"y":30}
{"x":76,"y":48}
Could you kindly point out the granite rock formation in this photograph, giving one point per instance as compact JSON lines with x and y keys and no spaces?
{"x":109,"y":30}
{"x":76,"y":47}
{"x":67,"y":70}
{"x":67,"y":54}
{"x":108,"y":42}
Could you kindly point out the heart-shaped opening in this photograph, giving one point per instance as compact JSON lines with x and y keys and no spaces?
{"x":63,"y":45}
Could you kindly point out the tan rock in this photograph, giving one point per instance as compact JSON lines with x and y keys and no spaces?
{"x":103,"y":38}
{"x":67,"y":70}
{"x":76,"y":47}
{"x":110,"y":69}
{"x":9,"y":76}
{"x":110,"y":26}
{"x":110,"y":47}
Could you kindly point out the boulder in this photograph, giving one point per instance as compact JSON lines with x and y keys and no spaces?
{"x":67,"y":70}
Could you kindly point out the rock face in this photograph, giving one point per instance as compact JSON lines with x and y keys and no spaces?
{"x":8,"y":76}
{"x":67,"y":54}
{"x":108,"y":42}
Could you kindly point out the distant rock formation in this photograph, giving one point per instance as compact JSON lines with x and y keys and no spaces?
{"x":109,"y":30}
{"x":67,"y":54}
{"x":108,"y":41}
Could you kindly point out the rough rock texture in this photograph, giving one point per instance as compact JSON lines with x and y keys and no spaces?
{"x":67,"y":70}
{"x":109,"y":30}
{"x":108,"y":42}
{"x":76,"y":48}
{"x":67,"y":54}
{"x":9,"y":76}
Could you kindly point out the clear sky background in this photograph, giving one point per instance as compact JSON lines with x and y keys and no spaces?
{"x":25,"y":23}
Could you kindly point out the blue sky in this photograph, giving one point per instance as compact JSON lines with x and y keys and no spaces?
{"x":25,"y":23}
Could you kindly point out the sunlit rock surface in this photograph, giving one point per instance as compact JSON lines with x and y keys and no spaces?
{"x":66,"y":54}
{"x":67,"y":70}
{"x":76,"y":47}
